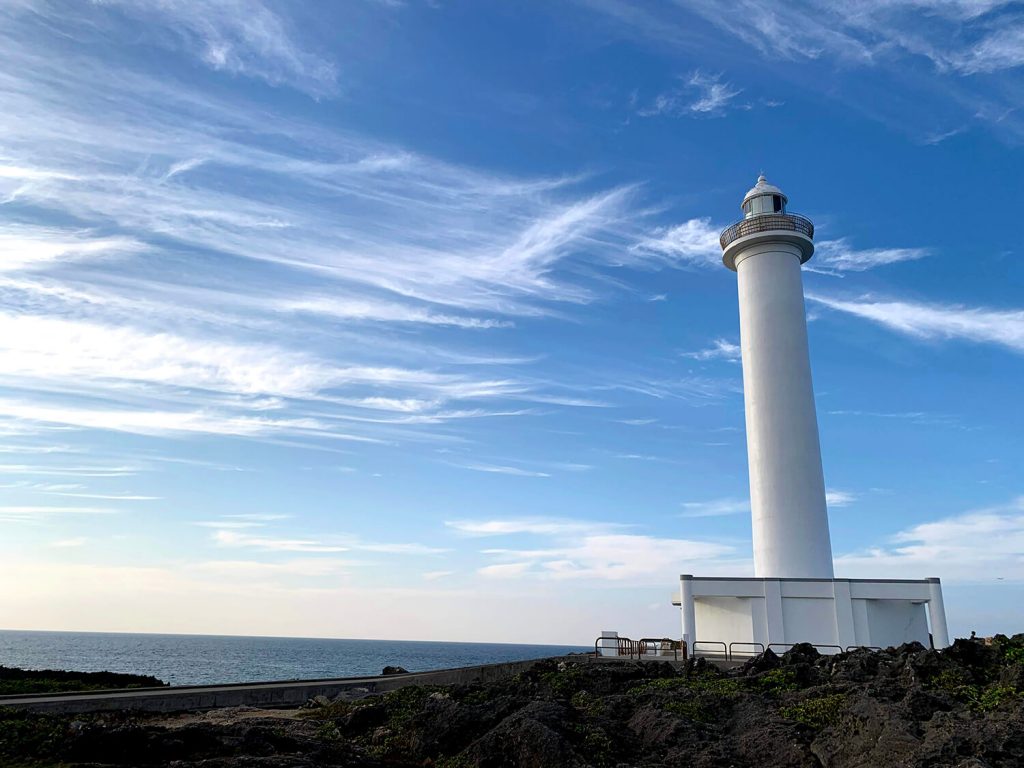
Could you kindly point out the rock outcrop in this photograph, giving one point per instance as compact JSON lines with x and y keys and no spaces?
{"x":908,"y":707}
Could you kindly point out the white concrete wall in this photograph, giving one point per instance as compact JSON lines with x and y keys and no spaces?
{"x":725,"y":619}
{"x":809,"y":620}
{"x":818,"y":611}
{"x":787,"y":487}
{"x":894,"y":622}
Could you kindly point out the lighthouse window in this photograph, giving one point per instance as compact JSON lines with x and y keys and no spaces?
{"x":777,"y":203}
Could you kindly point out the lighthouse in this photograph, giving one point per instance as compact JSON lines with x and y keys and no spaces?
{"x":787,"y":487}
{"x":794,"y":596}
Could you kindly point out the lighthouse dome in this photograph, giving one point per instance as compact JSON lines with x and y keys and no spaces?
{"x":764,"y":198}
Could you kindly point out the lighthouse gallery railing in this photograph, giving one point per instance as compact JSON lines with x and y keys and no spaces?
{"x":768,"y":222}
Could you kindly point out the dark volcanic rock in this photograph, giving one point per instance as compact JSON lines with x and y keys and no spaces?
{"x":905,"y":707}
{"x":389,"y":670}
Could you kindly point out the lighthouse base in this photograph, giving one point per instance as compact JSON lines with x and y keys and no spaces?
{"x":739,"y":617}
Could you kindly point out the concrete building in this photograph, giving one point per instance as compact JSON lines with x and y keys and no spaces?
{"x":793,"y":596}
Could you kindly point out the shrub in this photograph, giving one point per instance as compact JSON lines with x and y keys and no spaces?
{"x":776,"y":681}
{"x":819,"y":712}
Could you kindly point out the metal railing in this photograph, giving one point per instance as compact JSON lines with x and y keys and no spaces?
{"x":748,"y":645}
{"x":662,"y":647}
{"x":767,"y":222}
{"x":725,"y":648}
{"x":656,"y":647}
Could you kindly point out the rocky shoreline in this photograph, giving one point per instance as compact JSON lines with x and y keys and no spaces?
{"x":908,"y":707}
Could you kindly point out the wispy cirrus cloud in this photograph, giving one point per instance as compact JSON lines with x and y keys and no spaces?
{"x":715,"y":507}
{"x":23,"y":514}
{"x":326,"y":544}
{"x":837,"y":498}
{"x":960,"y":39}
{"x":616,"y":557}
{"x":720,"y":349}
{"x":698,"y":95}
{"x":935,"y":321}
{"x":322,"y":240}
{"x":500,"y":469}
{"x":692,"y":243}
{"x":241,"y":37}
{"x":539,"y":526}
{"x":840,"y":256}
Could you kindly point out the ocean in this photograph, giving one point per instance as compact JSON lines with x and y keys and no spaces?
{"x":199,"y":659}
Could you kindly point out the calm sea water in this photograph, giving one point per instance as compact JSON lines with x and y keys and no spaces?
{"x":194,"y":659}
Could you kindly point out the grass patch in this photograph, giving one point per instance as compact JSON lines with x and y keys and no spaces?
{"x":692,"y":710}
{"x":719,"y":686}
{"x":980,"y":698}
{"x":563,"y":682}
{"x":776,"y":681}
{"x":819,"y":712}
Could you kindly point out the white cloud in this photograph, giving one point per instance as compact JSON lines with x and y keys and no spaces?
{"x":839,"y":256}
{"x":837,"y":498}
{"x":618,"y":557}
{"x":720,"y":349}
{"x":692,"y":243}
{"x":69,"y":471}
{"x":504,"y":570}
{"x":534,"y":525}
{"x":700,"y":94}
{"x":436,"y":575}
{"x":979,"y":546}
{"x":105,"y":496}
{"x":21,"y":514}
{"x":1001,"y":49}
{"x":499,"y":469}
{"x":227,"y":538}
{"x":242,"y":37}
{"x":936,"y":321}
{"x":25,"y":247}
{"x":716,"y":507}
{"x":366,"y":309}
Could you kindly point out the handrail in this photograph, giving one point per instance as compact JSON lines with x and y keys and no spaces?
{"x":673,"y":645}
{"x":625,"y":646}
{"x":725,"y":648}
{"x":752,"y":645}
{"x":813,"y":645}
{"x":767,"y":222}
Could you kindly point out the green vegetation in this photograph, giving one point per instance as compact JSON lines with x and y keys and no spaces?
{"x":15,"y":681}
{"x":563,"y":682}
{"x":331,"y":712}
{"x":23,"y":734}
{"x":776,"y":681}
{"x":981,"y":698}
{"x":587,"y":702}
{"x":720,"y":686}
{"x":819,"y":712}
{"x":692,"y":710}
{"x":596,"y":743}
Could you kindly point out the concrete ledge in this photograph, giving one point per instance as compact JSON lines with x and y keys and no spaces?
{"x":291,"y":693}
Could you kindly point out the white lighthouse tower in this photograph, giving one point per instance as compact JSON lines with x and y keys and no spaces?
{"x":787,"y":487}
{"x":794,"y":596}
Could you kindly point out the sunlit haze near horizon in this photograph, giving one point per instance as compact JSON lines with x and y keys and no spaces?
{"x":407,"y":318}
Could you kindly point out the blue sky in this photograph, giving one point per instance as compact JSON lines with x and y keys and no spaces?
{"x":408,"y":319}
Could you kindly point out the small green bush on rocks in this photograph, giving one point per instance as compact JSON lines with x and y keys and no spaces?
{"x":818,"y":712}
